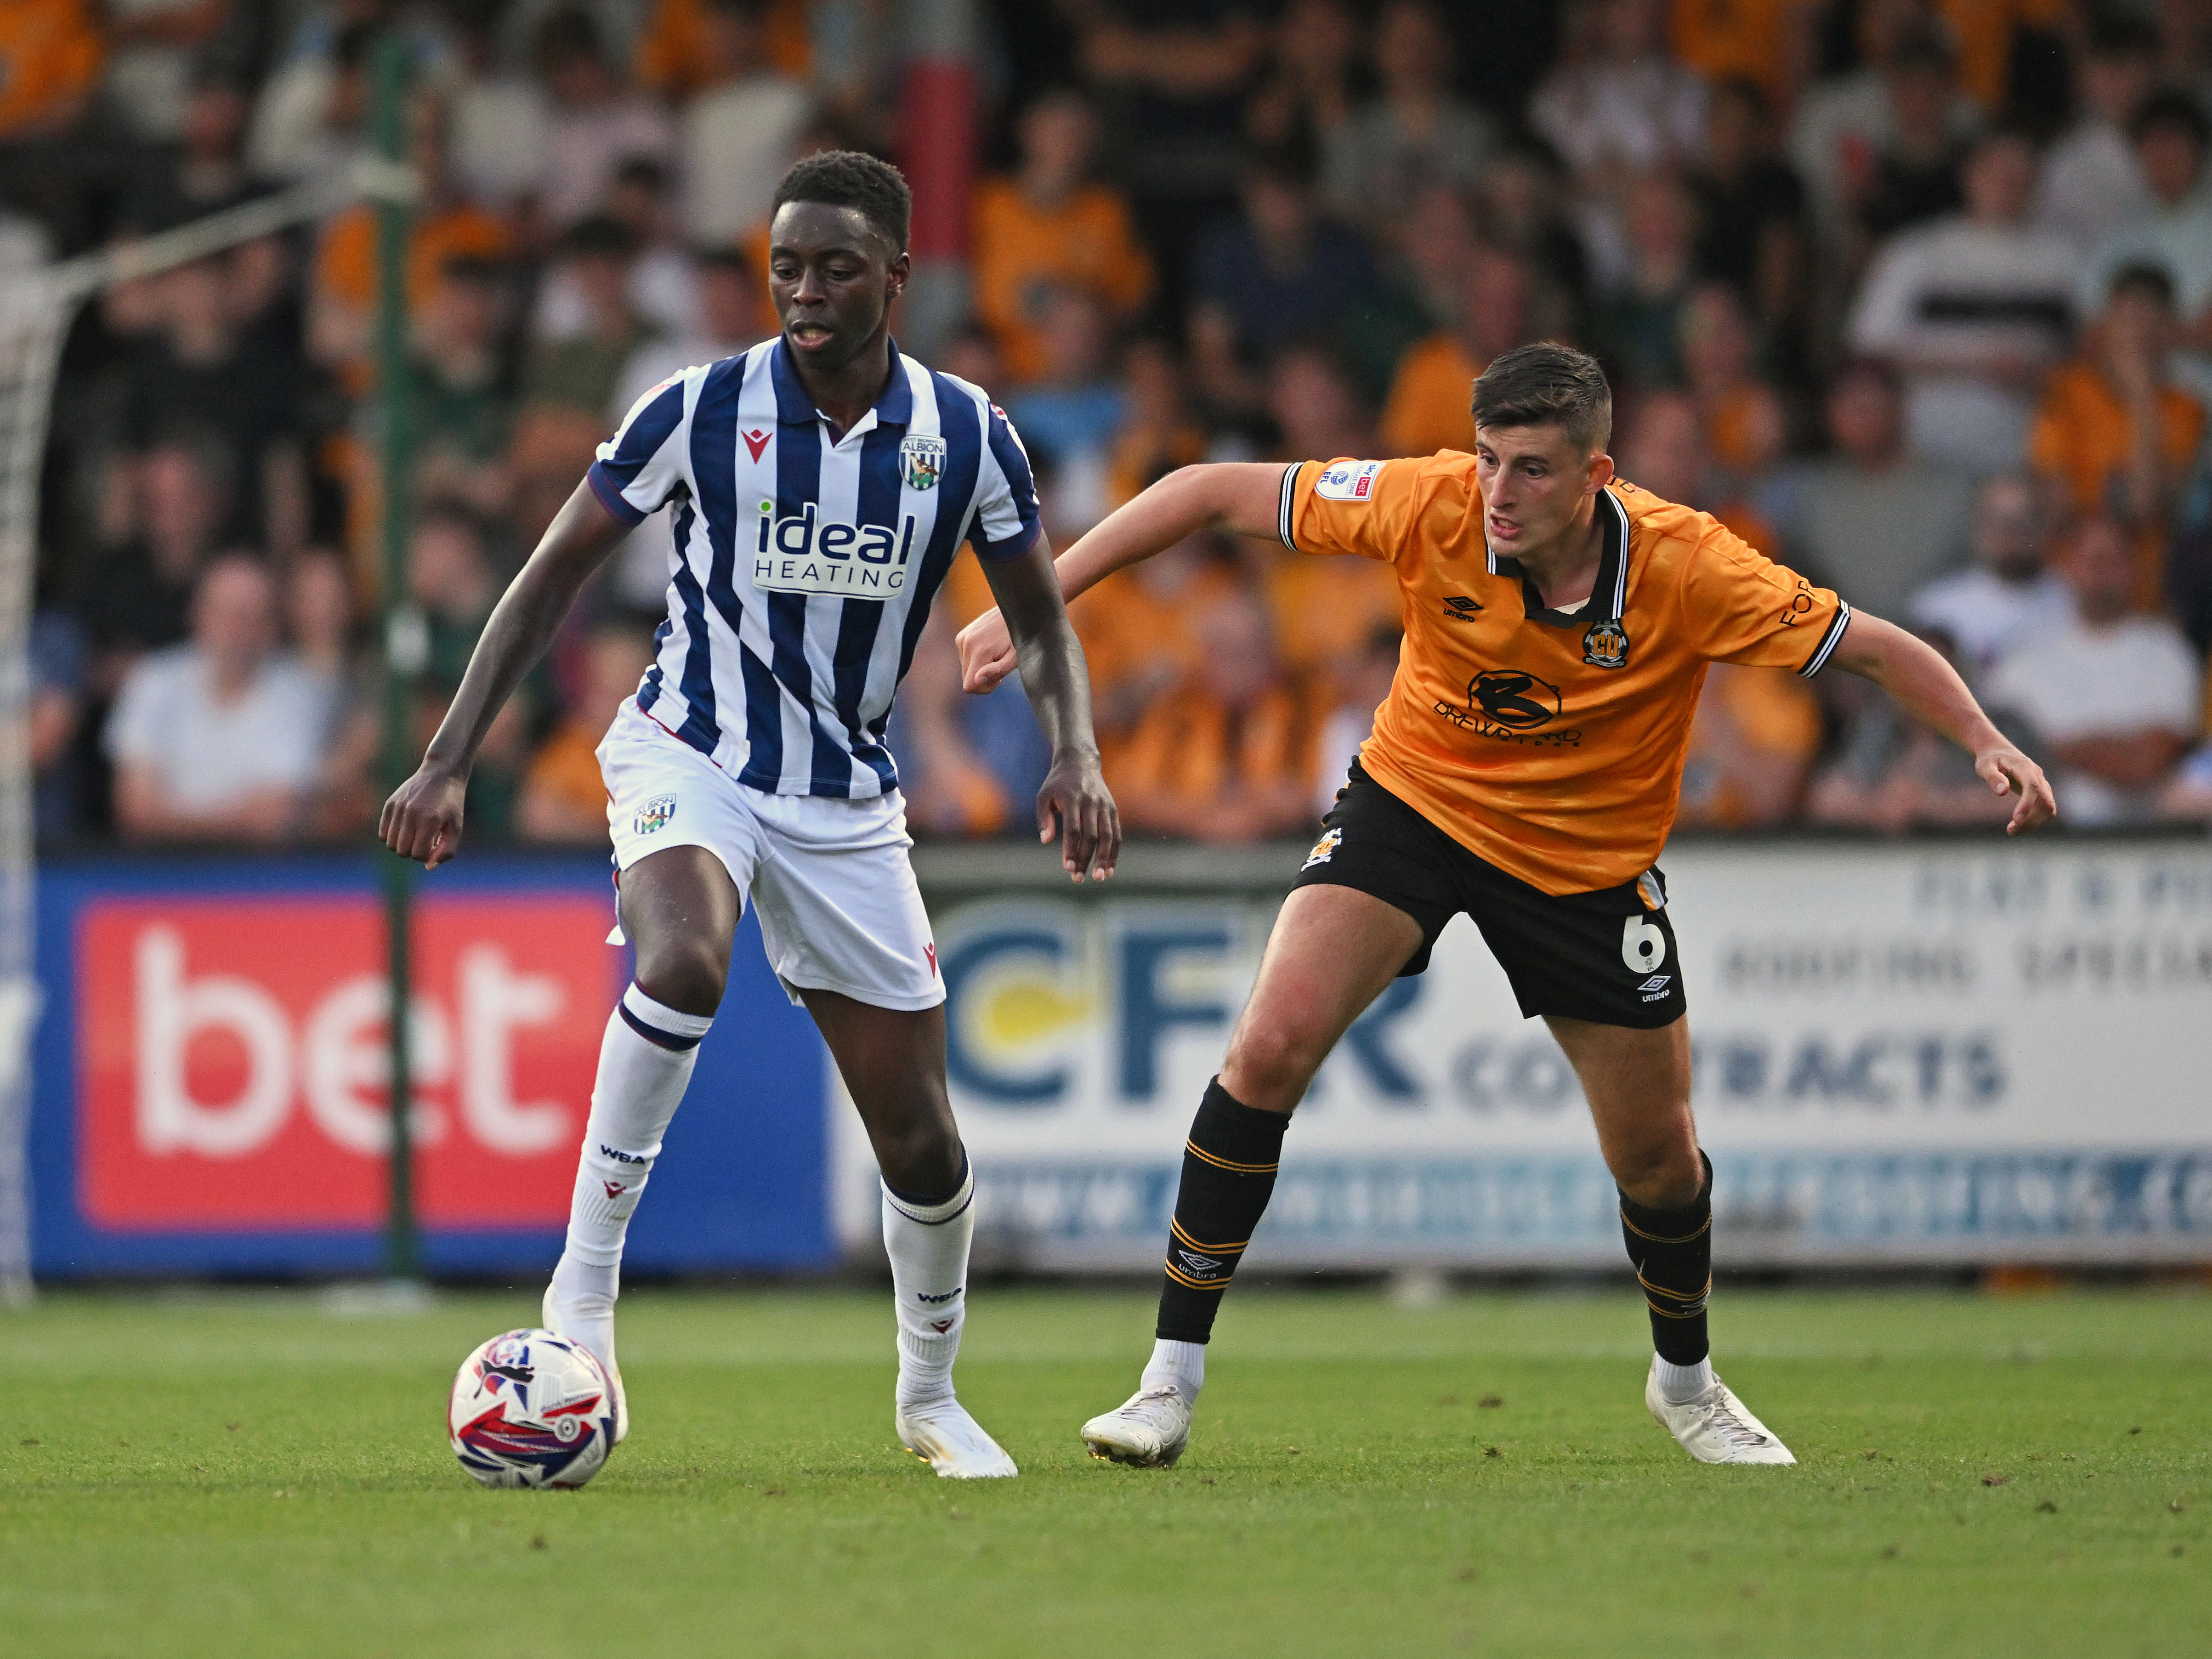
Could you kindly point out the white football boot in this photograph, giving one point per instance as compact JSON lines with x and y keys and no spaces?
{"x":1716,"y":1428}
{"x":580,"y":1321}
{"x":1148,"y":1432}
{"x":943,"y":1436}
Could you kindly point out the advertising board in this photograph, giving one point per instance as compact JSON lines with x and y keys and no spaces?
{"x":1952,"y":1052}
{"x":211,"y":1078}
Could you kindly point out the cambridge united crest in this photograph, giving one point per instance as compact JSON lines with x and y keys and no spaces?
{"x":654,"y":814}
{"x":921,"y":462}
{"x":1606,"y":645}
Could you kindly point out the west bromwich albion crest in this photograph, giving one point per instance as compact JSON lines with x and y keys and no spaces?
{"x":1606,"y":645}
{"x":921,"y":462}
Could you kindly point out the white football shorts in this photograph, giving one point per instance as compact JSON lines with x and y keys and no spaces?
{"x":839,"y":909}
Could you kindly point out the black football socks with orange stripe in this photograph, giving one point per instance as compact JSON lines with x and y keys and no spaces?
{"x":1228,"y":1174}
{"x":1673,"y":1250}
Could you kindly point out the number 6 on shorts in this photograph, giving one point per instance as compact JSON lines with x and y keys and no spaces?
{"x":1643,"y":947}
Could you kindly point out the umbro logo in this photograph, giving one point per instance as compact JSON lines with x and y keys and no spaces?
{"x":1198,"y":1264}
{"x":756,"y":441}
{"x":1460,"y":608}
{"x":1656,"y":982}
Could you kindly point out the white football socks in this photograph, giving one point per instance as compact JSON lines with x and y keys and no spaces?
{"x":1181,"y":1365}
{"x":1680,"y":1384}
{"x":927,"y":1244}
{"x":645,"y":1065}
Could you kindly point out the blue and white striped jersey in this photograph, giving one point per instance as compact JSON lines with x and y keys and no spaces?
{"x":804,"y":568}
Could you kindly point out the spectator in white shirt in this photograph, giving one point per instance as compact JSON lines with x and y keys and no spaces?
{"x":2092,"y":181}
{"x":595,"y":122}
{"x":218,"y":740}
{"x":2115,"y":698}
{"x":741,"y":131}
{"x":2006,"y":595}
{"x":1973,"y":309}
{"x":1620,"y":104}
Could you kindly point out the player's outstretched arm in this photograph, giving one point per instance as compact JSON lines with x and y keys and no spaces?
{"x":1929,"y":689}
{"x":1242,"y":497}
{"x":1074,"y":803}
{"x":423,"y":819}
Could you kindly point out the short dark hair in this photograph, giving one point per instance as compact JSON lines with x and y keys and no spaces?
{"x":1547,"y":385}
{"x":848,"y":178}
{"x":2171,"y":108}
{"x":2154,"y":282}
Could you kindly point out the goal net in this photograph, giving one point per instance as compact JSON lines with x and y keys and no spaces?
{"x":35,"y":313}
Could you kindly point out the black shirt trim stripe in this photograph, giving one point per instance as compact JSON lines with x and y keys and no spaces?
{"x":1286,"y":504}
{"x":1829,"y":640}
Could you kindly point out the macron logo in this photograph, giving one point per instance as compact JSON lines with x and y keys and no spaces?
{"x":756,"y":441}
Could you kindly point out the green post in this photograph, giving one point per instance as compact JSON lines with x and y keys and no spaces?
{"x":403,"y":624}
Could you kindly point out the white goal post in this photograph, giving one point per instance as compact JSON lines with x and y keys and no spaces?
{"x":35,"y":313}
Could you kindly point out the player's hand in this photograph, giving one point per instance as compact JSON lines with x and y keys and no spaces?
{"x":987,"y":655}
{"x":423,"y":819}
{"x":1076,"y":805}
{"x":2009,"y":772}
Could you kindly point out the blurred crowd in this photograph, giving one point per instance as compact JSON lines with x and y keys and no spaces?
{"x":1914,"y":294}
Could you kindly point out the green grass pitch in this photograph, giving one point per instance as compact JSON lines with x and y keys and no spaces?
{"x":253,"y":1474}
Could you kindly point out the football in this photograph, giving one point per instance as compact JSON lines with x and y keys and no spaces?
{"x":532,"y":1409}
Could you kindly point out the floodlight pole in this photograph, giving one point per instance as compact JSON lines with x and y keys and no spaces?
{"x":405,"y":642}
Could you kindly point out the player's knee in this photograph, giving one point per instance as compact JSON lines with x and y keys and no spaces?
{"x":684,"y":973}
{"x":920,"y":1159}
{"x":1269,"y":1066}
{"x":1664,"y":1173}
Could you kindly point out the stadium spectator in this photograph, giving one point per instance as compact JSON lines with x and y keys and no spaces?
{"x":450,"y":577}
{"x":464,"y":397}
{"x":2112,"y":434}
{"x":1226,"y":753}
{"x":1314,"y":49}
{"x":2171,"y":135}
{"x":1619,"y":105}
{"x":1430,"y":405}
{"x":2188,"y":798}
{"x":152,"y":46}
{"x":563,"y":798}
{"x":1639,"y":321}
{"x":1842,"y":125}
{"x":1069,"y":417}
{"x":1974,"y":309}
{"x":1172,"y":79}
{"x":671,"y":53}
{"x":741,"y":124}
{"x":2005,"y":596}
{"x":2092,"y":182}
{"x":1522,"y":207}
{"x":201,"y":374}
{"x":137,"y":597}
{"x":580,"y":371}
{"x":663,"y":288}
{"x":1159,"y":434}
{"x":309,"y":121}
{"x":1751,"y":206}
{"x":1048,"y":227}
{"x":1913,"y":173}
{"x":57,"y":717}
{"x":595,"y":122}
{"x":2115,"y":698}
{"x":445,"y":228}
{"x":1874,"y":521}
{"x":216,"y":740}
{"x":1893,"y":774}
{"x":1389,"y":151}
{"x":204,"y":170}
{"x":1315,"y":408}
{"x":1744,"y":423}
{"x":1279,"y":272}
{"x":53,"y":50}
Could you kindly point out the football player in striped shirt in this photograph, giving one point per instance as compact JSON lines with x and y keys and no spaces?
{"x":820,"y":485}
{"x":1524,"y":770}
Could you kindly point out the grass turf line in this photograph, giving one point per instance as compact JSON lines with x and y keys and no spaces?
{"x":247,"y":1473}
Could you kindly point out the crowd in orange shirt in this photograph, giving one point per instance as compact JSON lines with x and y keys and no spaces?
{"x":1914,"y":296}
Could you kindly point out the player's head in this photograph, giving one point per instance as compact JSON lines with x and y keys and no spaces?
{"x":837,"y":257}
{"x":1543,"y":416}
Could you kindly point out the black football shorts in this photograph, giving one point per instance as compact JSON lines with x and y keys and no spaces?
{"x":1607,"y":956}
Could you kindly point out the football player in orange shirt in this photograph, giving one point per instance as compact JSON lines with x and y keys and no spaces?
{"x":1525,"y":769}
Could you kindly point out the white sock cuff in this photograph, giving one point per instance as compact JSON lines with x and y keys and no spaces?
{"x":661,"y":1024}
{"x":937,"y":1214}
{"x":1681,"y":1383}
{"x":1183,"y":1364}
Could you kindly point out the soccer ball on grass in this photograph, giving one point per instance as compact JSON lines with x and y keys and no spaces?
{"x":532,"y":1409}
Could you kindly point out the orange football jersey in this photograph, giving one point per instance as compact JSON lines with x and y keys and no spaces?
{"x":1548,"y":743}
